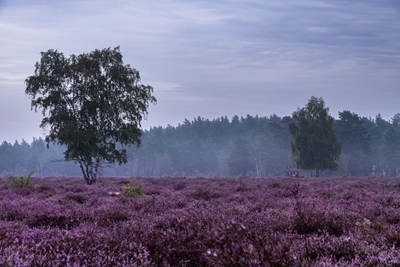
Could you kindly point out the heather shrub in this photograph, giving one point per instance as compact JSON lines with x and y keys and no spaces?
{"x":310,"y":219}
{"x":179,"y":185}
{"x":203,"y":222}
{"x":242,"y":187}
{"x":393,"y":217}
{"x":180,"y":204}
{"x":11,"y":212}
{"x":392,"y":235}
{"x":23,"y":191}
{"x":76,"y":189}
{"x":123,"y":182}
{"x":111,"y":217}
{"x":21,"y":182}
{"x":276,"y":184}
{"x":78,"y":198}
{"x":154,"y":191}
{"x":180,"y":238}
{"x":59,"y":221}
{"x":236,"y":244}
{"x":133,"y":189}
{"x":205,"y":193}
{"x":85,"y":247}
{"x":341,"y":249}
{"x":47,"y":190}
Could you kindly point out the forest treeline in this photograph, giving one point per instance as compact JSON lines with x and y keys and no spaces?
{"x":252,"y":146}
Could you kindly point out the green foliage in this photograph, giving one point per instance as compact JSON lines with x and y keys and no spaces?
{"x":390,"y":150}
{"x":133,"y":189}
{"x":355,"y":141}
{"x":203,"y":147}
{"x":239,"y":159}
{"x":163,"y":162}
{"x":92,"y":104}
{"x":21,"y":181}
{"x":365,"y":223}
{"x":315,"y":146}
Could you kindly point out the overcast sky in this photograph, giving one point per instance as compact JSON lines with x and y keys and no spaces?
{"x":213,"y":58}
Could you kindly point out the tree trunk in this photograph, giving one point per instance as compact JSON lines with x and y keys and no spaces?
{"x":89,"y":171}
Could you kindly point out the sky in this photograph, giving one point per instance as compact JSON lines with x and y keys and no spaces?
{"x":213,"y":58}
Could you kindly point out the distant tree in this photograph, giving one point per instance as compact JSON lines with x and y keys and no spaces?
{"x":376,"y":128}
{"x":315,"y":146}
{"x":38,"y":155}
{"x":396,"y":122}
{"x":279,"y":151}
{"x":257,"y":149}
{"x":381,"y":124}
{"x":90,"y":102}
{"x":355,"y":141}
{"x":8,"y":160}
{"x":239,"y":160}
{"x":163,"y":163}
{"x":390,"y":150}
{"x":20,"y":152}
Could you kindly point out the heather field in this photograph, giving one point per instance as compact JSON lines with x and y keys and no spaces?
{"x":202,"y":222}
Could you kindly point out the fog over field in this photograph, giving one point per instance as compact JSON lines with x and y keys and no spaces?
{"x":245,"y":146}
{"x":213,"y":58}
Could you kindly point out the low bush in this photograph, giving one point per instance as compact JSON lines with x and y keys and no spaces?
{"x":133,"y":189}
{"x":21,"y":182}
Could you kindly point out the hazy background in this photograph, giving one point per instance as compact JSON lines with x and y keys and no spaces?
{"x":213,"y":58}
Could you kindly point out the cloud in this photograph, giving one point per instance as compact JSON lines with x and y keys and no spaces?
{"x":257,"y":57}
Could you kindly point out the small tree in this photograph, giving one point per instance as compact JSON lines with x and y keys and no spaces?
{"x":91,"y":102}
{"x":315,"y":146}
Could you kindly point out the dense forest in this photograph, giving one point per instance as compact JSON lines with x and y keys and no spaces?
{"x":245,"y":146}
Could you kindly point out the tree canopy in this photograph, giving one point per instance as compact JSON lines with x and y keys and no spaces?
{"x":315,"y":146}
{"x":240,"y":158}
{"x":92,"y":103}
{"x":203,"y":147}
{"x":355,"y":141}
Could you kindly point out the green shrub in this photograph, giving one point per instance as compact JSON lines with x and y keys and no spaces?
{"x":133,"y":189}
{"x":365,"y":223}
{"x":21,"y":182}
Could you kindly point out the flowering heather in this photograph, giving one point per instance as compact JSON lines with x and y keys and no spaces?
{"x":202,"y":222}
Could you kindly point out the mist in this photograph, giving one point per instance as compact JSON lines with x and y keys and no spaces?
{"x":241,"y":146}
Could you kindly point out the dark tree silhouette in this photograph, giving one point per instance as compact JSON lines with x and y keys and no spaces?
{"x":315,"y":146}
{"x":91,"y":103}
